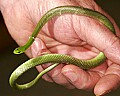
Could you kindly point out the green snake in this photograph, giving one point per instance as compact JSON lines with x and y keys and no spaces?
{"x":57,"y":59}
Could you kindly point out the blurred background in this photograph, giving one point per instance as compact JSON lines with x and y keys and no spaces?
{"x":9,"y":61}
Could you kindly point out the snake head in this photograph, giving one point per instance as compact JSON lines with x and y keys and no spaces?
{"x":18,"y":50}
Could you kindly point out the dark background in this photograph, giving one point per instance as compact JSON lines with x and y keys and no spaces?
{"x":9,"y":61}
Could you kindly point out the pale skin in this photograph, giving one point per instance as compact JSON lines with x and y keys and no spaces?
{"x":67,"y":34}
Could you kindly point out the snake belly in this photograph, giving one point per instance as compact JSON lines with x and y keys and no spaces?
{"x":57,"y":59}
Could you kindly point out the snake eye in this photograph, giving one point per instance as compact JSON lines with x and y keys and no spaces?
{"x":18,"y":51}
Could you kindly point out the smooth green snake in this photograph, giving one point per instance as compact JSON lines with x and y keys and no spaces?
{"x":57,"y":59}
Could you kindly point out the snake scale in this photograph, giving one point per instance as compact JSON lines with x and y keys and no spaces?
{"x":57,"y":59}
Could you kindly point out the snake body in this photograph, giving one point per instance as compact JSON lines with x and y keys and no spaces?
{"x":57,"y":59}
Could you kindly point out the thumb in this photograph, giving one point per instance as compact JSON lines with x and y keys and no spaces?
{"x":104,"y":40}
{"x":112,"y":51}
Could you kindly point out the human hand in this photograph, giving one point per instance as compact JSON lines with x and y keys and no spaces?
{"x":67,"y":34}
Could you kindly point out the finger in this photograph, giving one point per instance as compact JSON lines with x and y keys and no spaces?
{"x":80,"y":78}
{"x":58,"y":77}
{"x":104,"y":40}
{"x":100,"y":36}
{"x":37,"y":48}
{"x":109,"y":82}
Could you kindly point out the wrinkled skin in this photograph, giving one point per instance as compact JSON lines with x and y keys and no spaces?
{"x":67,"y":34}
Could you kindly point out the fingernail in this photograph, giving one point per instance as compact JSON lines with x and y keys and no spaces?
{"x":37,"y":47}
{"x":102,"y":93}
{"x":72,"y":76}
{"x":46,"y":65}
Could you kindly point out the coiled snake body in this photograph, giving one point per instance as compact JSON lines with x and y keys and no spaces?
{"x":57,"y":58}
